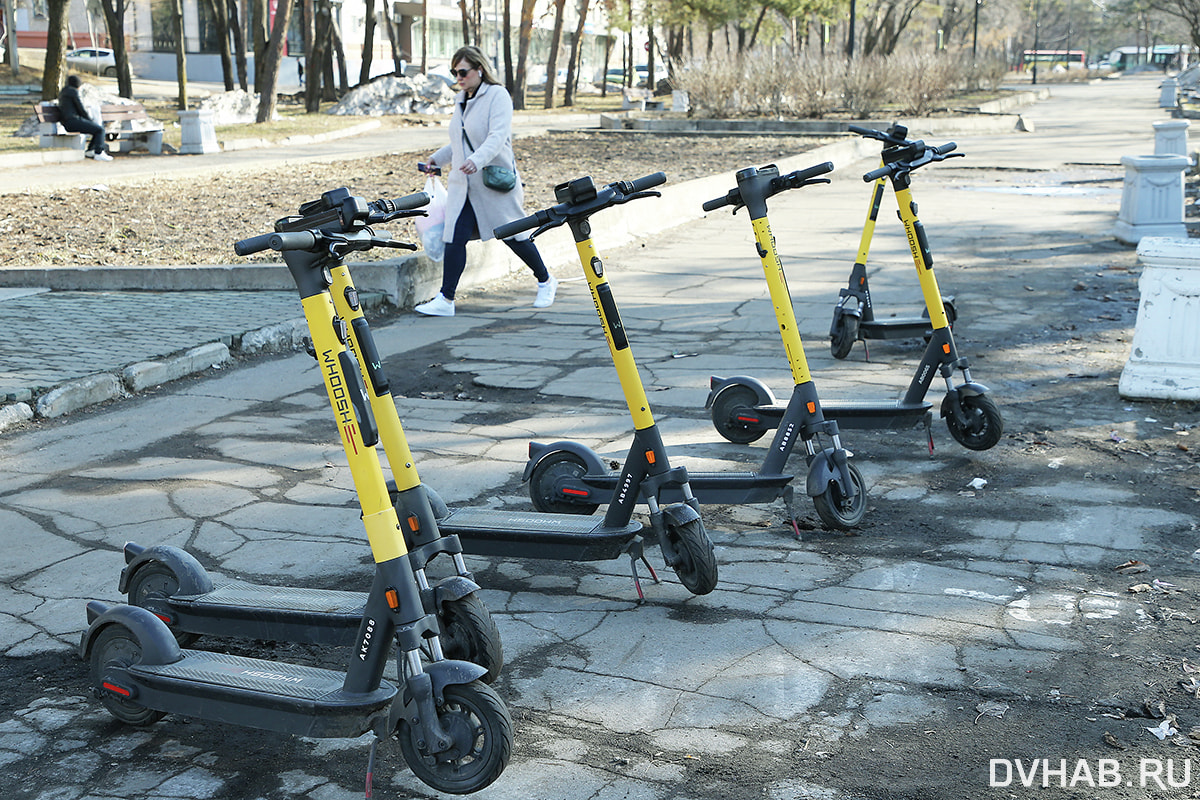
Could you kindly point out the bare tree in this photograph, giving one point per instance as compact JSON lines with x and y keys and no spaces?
{"x":220,"y":12}
{"x":273,"y":55}
{"x":180,"y":55}
{"x":114,"y":20}
{"x":573,"y":64}
{"x":552,"y":61}
{"x":364,"y":74}
{"x":524,"y":34}
{"x":56,"y":48}
{"x":239,"y":44}
{"x":884,"y":23}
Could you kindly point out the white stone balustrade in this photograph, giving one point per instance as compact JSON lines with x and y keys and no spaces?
{"x":1164,"y":362}
{"x":1152,"y":198}
{"x":197,"y":133}
{"x":1170,"y":138}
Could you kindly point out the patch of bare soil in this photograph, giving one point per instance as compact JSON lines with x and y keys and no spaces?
{"x":196,"y":220}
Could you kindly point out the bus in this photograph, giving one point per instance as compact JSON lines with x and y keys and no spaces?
{"x":1054,"y":59}
{"x":1161,"y":56}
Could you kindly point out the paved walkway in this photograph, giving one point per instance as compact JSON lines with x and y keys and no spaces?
{"x":963,"y":624}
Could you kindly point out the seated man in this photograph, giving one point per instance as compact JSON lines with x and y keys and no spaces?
{"x":76,"y":120}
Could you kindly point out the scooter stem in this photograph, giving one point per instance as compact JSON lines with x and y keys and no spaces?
{"x":918,"y":243}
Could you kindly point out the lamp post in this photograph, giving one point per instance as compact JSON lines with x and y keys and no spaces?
{"x":975,"y":31}
{"x":1036,"y":40}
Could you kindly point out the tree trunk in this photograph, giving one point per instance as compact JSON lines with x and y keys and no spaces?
{"x":114,"y":19}
{"x":609,"y":41}
{"x":574,"y":64}
{"x":552,"y":61}
{"x":239,"y":45}
{"x":524,"y":34}
{"x":315,"y":59}
{"x":424,"y":36}
{"x":364,"y":74}
{"x":180,"y":55}
{"x":339,"y":52}
{"x":258,"y":37}
{"x":221,"y":22}
{"x":10,"y":30}
{"x":506,"y":37}
{"x":56,"y":48}
{"x":273,"y":54}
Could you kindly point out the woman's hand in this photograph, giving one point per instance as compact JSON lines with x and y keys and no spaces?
{"x":469,"y":167}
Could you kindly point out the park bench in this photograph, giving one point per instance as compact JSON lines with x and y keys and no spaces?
{"x":639,"y":100}
{"x":126,"y":124}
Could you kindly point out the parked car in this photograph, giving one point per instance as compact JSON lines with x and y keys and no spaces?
{"x":93,"y":59}
{"x":616,"y":76}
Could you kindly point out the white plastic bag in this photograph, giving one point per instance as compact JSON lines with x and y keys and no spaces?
{"x":432,"y":226}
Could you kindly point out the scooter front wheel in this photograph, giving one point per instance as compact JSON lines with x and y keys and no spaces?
{"x":475,"y":718}
{"x":468,"y":633}
{"x":697,"y":565}
{"x":150,"y":587}
{"x":845,"y":334}
{"x":727,"y":401}
{"x":984,"y":425}
{"x":545,"y":484}
{"x":836,"y":509}
{"x":117,"y":647}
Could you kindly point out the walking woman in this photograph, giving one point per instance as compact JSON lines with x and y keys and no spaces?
{"x":480,"y":136}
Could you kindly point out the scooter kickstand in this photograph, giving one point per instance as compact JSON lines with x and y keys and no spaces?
{"x":371,"y":765}
{"x":929,"y":430}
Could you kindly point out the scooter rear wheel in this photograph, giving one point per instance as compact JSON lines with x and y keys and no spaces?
{"x":836,"y":510}
{"x":475,"y":717}
{"x":697,"y":566}
{"x":845,"y":334}
{"x":116,"y":646}
{"x":150,"y":587}
{"x":725,"y":403}
{"x":544,"y":484}
{"x":468,"y":633}
{"x":984,"y":425}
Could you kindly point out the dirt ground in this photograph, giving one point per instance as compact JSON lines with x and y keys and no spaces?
{"x":174,"y":221}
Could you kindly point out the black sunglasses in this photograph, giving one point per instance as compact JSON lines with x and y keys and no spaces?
{"x":461,"y":73}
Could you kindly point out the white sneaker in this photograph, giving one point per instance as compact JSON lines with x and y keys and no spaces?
{"x":437,"y":307}
{"x":102,"y":157}
{"x":88,"y":154}
{"x":545,"y":295}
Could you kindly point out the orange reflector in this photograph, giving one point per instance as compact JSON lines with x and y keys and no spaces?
{"x":393,"y":599}
{"x":946,"y":349}
{"x":649,"y":456}
{"x":812,"y":408}
{"x":414,"y":524}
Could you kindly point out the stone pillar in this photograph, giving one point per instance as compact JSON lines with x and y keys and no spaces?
{"x":1170,"y":137}
{"x":679,"y":100}
{"x":1164,"y":363}
{"x":196,"y":132}
{"x":1152,"y":198}
{"x":1170,"y":88}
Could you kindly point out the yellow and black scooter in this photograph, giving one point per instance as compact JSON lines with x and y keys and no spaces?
{"x":744,"y":408}
{"x":854,"y":316}
{"x":172,"y":584}
{"x":568,"y":476}
{"x":454,"y":731}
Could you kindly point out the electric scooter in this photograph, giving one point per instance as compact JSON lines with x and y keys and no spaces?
{"x":854,"y":314}
{"x":568,"y":476}
{"x":454,"y":731}
{"x":172,"y":584}
{"x":744,"y":408}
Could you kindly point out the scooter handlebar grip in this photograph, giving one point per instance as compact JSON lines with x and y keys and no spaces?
{"x":293,"y":240}
{"x":647,"y":181}
{"x":862,"y":131}
{"x":876,"y":174}
{"x":942,"y":149}
{"x":406,"y":203}
{"x":813,"y":171}
{"x":713,"y":205}
{"x":510,"y":229}
{"x":255,"y":244}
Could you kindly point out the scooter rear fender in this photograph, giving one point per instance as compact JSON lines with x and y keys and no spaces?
{"x":765,"y":396}
{"x":538,"y":451}
{"x":193,"y":578}
{"x":155,"y":639}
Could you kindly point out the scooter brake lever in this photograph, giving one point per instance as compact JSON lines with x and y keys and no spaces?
{"x":393,"y":244}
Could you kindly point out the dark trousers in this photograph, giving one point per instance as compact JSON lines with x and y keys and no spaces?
{"x":455,"y":259}
{"x":77,"y":125}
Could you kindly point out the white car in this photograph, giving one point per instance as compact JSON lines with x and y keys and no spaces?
{"x":93,"y":59}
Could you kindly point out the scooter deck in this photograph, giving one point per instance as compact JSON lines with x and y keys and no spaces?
{"x":871,"y":414}
{"x":267,"y":695}
{"x":314,"y":616}
{"x":529,"y":534}
{"x":711,"y":487}
{"x":895,"y":328}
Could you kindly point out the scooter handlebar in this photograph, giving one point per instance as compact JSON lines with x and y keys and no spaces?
{"x":406,"y":203}
{"x":510,"y":229}
{"x":801,"y":175}
{"x":729,"y":199}
{"x":255,"y":244}
{"x":643,"y":183}
{"x":876,"y":174}
{"x":942,"y":149}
